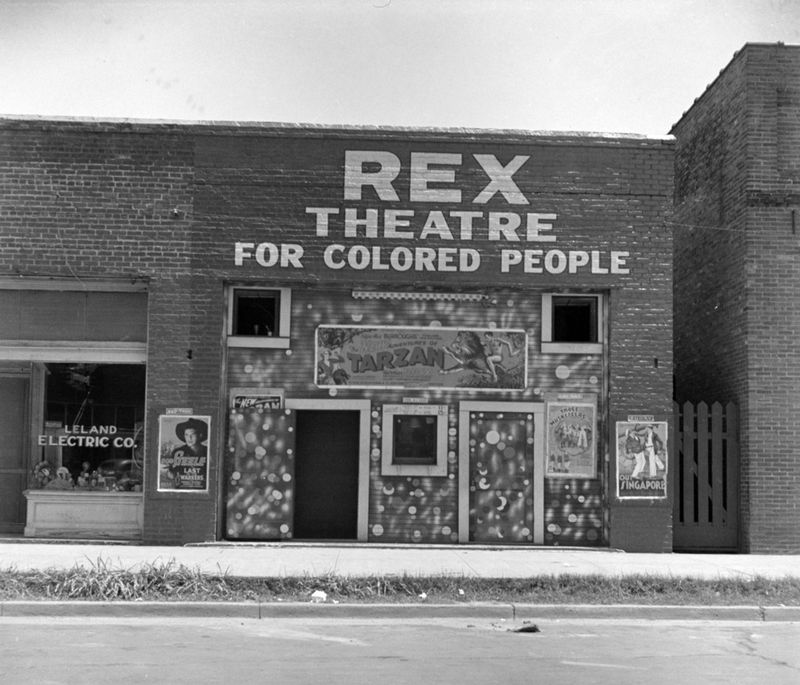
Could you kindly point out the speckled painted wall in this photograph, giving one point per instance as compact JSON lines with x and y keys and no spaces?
{"x":413,"y":508}
{"x":260,"y":474}
{"x":409,"y":508}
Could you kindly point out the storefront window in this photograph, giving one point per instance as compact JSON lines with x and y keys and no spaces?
{"x":93,"y":427}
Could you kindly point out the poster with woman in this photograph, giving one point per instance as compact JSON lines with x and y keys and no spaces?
{"x":183,"y":453}
{"x":641,"y":459}
{"x":571,"y":438}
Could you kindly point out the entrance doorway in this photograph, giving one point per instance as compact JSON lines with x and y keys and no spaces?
{"x":326,"y":474}
{"x":13,"y":452}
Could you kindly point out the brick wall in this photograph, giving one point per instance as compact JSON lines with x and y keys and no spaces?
{"x":166,"y":203}
{"x":737,"y":272}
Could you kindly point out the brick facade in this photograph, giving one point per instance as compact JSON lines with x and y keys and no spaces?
{"x":165,"y":203}
{"x":737,"y":272}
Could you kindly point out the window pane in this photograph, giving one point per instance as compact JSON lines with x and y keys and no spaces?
{"x":94,"y":415}
{"x":256,"y":312}
{"x":414,"y":440}
{"x":575,"y":319}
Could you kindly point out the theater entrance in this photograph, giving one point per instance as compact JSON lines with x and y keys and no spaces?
{"x":300,"y":472}
{"x":326,"y":474}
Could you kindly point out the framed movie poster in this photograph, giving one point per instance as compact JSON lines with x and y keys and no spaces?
{"x":421,"y":357}
{"x":641,"y":458}
{"x":571,"y":438}
{"x":183,"y":453}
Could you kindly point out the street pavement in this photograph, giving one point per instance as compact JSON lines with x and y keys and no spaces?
{"x":287,"y":559}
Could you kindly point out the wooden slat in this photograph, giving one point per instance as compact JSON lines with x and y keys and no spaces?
{"x":732,"y":485}
{"x":674,"y":467}
{"x":718,"y":517}
{"x":703,"y":487}
{"x":689,"y":467}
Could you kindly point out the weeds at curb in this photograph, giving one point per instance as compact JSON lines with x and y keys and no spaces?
{"x":100,"y":581}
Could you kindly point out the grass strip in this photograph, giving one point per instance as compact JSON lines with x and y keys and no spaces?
{"x":173,"y":582}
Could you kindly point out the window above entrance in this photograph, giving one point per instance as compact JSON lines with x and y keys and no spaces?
{"x":572,"y":323}
{"x":414,"y":440}
{"x":259,"y":317}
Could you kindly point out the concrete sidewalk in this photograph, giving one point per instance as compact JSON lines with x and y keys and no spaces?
{"x":358,"y":560}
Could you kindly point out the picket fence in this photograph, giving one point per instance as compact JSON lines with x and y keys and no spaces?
{"x":705,"y":477}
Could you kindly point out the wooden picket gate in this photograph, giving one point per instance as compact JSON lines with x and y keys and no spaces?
{"x":706,"y":478}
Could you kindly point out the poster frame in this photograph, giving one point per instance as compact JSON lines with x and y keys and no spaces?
{"x":575,"y":404}
{"x":168,"y":442}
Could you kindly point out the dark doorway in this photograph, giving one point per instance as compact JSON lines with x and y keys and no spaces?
{"x":326,"y":474}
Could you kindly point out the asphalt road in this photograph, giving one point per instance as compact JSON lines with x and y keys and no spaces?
{"x":50,"y":651}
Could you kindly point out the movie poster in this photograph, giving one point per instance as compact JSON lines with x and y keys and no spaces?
{"x":571,"y":439}
{"x":421,"y":357}
{"x":249,"y":398}
{"x":641,"y":459}
{"x":183,"y":453}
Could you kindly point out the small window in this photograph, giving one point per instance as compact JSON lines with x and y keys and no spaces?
{"x":574,"y":319}
{"x":572,"y":323}
{"x":414,"y":440}
{"x":259,"y":317}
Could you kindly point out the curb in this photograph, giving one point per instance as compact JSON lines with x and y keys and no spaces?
{"x":474,"y":610}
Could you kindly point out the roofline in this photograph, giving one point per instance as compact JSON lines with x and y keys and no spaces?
{"x":739,"y":54}
{"x":211,"y":127}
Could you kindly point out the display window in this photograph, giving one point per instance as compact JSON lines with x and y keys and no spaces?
{"x":93,"y":429}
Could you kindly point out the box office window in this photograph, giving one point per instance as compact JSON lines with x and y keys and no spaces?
{"x":414,"y":440}
{"x":93,"y":431}
{"x":572,"y":323}
{"x":259,"y":317}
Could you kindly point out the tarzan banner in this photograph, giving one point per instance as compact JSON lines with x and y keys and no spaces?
{"x":423,"y":357}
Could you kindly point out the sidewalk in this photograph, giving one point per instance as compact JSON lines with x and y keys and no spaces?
{"x":318,"y":559}
{"x":360,"y":559}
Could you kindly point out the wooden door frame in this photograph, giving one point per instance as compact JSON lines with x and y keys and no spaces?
{"x":364,"y":407}
{"x":537,"y":410}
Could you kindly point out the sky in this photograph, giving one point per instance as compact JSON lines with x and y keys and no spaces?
{"x":631,"y":66}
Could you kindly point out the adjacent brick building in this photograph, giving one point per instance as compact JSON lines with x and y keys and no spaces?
{"x":236,"y":331}
{"x":737,"y":275}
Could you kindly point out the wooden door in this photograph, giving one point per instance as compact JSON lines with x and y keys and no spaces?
{"x":259,"y":470}
{"x":13,"y":451}
{"x":501,"y":476}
